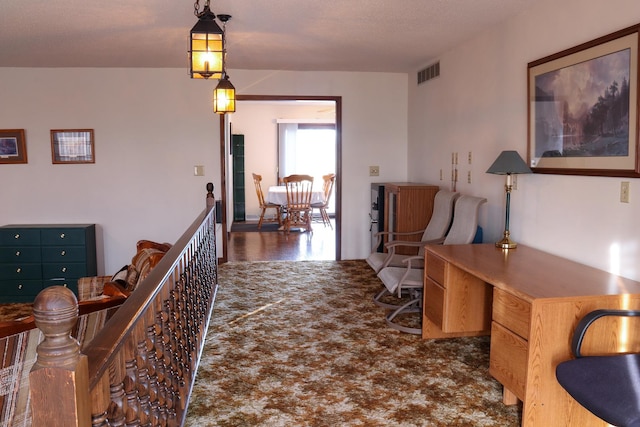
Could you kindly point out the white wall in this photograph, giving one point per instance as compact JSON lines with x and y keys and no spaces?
{"x":152,"y":126}
{"x":479,"y":104}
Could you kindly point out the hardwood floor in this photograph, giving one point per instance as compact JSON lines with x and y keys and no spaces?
{"x":276,"y":245}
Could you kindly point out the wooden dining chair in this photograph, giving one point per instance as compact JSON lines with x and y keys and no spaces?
{"x":298,"y":202}
{"x":264,"y":205}
{"x":327,"y":188}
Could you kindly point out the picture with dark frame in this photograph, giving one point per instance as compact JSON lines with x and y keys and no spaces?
{"x":12,"y":146}
{"x":583,"y":108}
{"x":72,"y":146}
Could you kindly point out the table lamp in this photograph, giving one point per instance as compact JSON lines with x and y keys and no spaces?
{"x":508,"y":163}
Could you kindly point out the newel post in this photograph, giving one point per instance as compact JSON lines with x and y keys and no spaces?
{"x":211,"y":201}
{"x":59,"y":380}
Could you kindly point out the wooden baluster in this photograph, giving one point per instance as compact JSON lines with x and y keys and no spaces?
{"x":152,"y":362}
{"x":160,"y":365}
{"x":131,"y":382}
{"x":118,"y":406}
{"x":100,"y":400}
{"x":59,"y":380}
{"x":179,"y":335}
{"x":169,"y":357}
{"x":143,"y":374}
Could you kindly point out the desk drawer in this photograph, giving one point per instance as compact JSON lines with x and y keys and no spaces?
{"x":19,"y":254}
{"x":434,"y":302}
{"x":71,"y":283}
{"x":19,"y":236}
{"x":64,"y":270}
{"x":20,"y":271}
{"x":63,"y":236}
{"x":64,"y":254}
{"x":435,"y":268}
{"x":508,"y":359}
{"x":28,"y":288}
{"x":511,"y":312}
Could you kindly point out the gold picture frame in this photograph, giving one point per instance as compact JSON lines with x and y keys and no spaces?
{"x":72,"y":146}
{"x":13,"y":146}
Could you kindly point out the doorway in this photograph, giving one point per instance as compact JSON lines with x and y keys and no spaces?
{"x":269,"y":166}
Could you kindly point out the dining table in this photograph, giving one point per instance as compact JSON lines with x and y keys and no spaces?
{"x":278,"y":194}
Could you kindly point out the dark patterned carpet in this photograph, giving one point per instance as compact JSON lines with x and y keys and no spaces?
{"x":301,"y":344}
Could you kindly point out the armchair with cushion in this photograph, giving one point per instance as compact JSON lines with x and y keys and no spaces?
{"x":410,"y":279}
{"x":606,"y":385}
{"x":147,"y":256}
{"x":433,"y":233}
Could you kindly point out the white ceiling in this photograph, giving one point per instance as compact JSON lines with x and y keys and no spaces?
{"x":322,"y":35}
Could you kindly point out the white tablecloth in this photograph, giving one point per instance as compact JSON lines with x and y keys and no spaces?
{"x":278,"y":194}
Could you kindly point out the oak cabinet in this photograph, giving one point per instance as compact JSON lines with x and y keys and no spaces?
{"x":407,"y":207}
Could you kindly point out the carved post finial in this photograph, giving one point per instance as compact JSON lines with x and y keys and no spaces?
{"x":55,"y":310}
{"x":59,"y":380}
{"x":210,"y":196}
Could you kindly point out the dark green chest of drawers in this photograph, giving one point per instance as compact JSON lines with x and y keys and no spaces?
{"x":33,"y":257}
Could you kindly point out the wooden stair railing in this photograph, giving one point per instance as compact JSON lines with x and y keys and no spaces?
{"x":140,"y":368}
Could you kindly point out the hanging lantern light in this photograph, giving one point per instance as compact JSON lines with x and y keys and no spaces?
{"x":206,"y":45}
{"x":224,"y":96}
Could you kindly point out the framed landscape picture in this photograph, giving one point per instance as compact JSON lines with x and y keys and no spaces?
{"x":13,"y":148}
{"x":72,"y":146}
{"x":583,"y":115}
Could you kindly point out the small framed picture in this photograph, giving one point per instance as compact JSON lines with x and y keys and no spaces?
{"x":13,"y":148}
{"x":72,"y":146}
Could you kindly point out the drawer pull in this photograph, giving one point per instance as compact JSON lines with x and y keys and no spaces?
{"x":17,"y":236}
{"x":18,"y":270}
{"x":63,"y":253}
{"x":17,"y":253}
{"x":62,"y":235}
{"x":64,"y":269}
{"x":20,"y":286}
{"x":65,"y":285}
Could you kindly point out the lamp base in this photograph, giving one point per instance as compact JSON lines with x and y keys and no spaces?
{"x":506,"y":242}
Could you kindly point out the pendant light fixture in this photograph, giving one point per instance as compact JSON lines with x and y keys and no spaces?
{"x":224,"y":95}
{"x":206,"y":45}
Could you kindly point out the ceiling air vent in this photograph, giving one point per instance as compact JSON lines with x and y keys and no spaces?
{"x":431,"y":72}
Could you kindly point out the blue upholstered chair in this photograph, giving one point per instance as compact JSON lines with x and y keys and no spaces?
{"x":608,"y":386}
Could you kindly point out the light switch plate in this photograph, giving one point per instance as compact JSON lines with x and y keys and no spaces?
{"x":198,"y":170}
{"x":624,"y":192}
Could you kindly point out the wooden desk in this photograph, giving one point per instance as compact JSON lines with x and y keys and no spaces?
{"x":530,"y":302}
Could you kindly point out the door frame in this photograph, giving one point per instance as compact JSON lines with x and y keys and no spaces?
{"x":225,"y":134}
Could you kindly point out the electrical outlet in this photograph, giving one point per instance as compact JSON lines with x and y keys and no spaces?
{"x":624,"y":192}
{"x":374,"y":170}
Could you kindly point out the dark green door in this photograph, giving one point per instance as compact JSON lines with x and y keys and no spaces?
{"x":239,"y":211}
